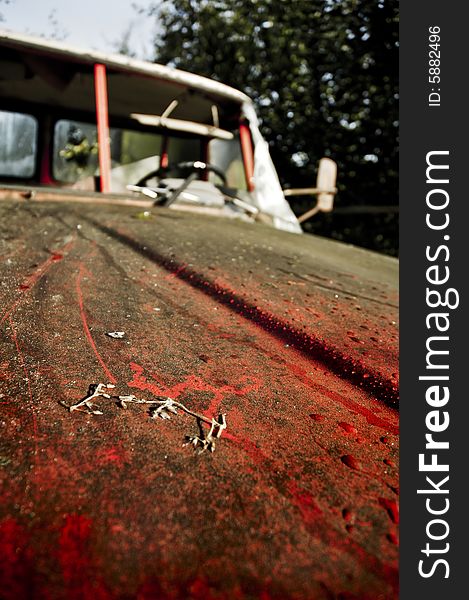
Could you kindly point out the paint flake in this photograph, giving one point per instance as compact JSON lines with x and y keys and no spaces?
{"x":118,"y":335}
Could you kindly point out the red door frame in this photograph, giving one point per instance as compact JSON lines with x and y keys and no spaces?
{"x":248,"y":154}
{"x":102,"y":121}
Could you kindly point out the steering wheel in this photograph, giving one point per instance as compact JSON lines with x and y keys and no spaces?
{"x":192,"y":166}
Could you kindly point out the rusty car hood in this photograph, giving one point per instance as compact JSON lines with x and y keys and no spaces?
{"x":293,"y":337}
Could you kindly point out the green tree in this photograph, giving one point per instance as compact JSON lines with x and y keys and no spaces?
{"x":323,"y":74}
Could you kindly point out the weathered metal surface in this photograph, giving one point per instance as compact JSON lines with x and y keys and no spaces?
{"x":293,"y":337}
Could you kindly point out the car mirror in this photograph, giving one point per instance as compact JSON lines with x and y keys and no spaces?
{"x":325,"y":189}
{"x":326,"y":184}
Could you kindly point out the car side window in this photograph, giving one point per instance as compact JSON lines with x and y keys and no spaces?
{"x":18,"y":150}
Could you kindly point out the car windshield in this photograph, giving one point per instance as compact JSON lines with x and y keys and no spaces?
{"x":136,"y":154}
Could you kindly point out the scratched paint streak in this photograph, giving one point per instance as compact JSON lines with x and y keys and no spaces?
{"x":346,"y":367}
{"x":32,"y":280}
{"x":192,"y":383}
{"x":86,"y":328}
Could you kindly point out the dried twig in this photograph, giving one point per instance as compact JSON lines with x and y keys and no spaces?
{"x":95,"y":390}
{"x":207,"y":440}
{"x":158,"y":409}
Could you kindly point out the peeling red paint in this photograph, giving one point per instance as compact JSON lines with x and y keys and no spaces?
{"x":192,"y":383}
{"x":316,"y":417}
{"x":347,"y":427}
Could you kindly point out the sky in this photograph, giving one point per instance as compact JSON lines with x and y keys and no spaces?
{"x":92,"y":24}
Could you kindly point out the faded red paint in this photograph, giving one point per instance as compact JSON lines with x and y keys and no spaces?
{"x":32,"y":280}
{"x":115,"y":455}
{"x":16,"y":582}
{"x":78,"y":562}
{"x":335,"y":360}
{"x":116,"y":507}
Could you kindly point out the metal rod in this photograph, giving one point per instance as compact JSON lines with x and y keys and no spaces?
{"x":307,"y":191}
{"x":307,"y":215}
